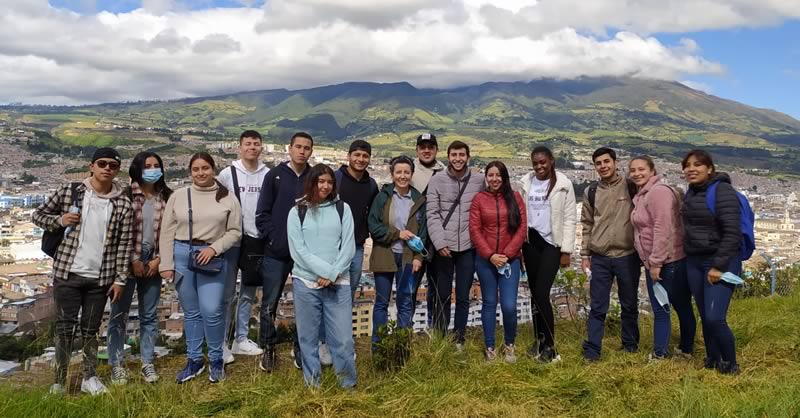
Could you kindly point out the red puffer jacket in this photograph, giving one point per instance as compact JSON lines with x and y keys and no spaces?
{"x":488,"y":226}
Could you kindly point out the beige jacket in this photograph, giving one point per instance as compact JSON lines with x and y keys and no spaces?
{"x":563,"y":214}
{"x":607,"y":228}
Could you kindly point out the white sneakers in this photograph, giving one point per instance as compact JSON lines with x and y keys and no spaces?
{"x":93,"y":386}
{"x":325,"y":355}
{"x":119,"y":376}
{"x":245,"y":348}
{"x":149,"y":373}
{"x":57,"y":390}
{"x":227,"y":356}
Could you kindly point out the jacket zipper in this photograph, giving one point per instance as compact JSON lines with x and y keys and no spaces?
{"x":497,"y":206}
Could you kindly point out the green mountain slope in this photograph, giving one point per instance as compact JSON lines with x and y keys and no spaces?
{"x":622,"y":111}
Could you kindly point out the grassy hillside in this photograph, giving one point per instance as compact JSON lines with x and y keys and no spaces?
{"x":590,"y":111}
{"x":440,"y":383}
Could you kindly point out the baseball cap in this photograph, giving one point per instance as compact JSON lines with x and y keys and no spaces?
{"x":427,"y":138}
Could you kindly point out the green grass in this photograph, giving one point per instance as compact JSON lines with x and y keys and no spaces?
{"x":439,"y":382}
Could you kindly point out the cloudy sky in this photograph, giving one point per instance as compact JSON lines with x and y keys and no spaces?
{"x":88,"y":51}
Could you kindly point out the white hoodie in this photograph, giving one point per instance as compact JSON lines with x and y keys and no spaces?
{"x":249,"y":189}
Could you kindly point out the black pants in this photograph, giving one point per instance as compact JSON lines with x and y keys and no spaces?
{"x":74,"y":295}
{"x":462,"y":263}
{"x":542,"y":261}
{"x":274,"y":272}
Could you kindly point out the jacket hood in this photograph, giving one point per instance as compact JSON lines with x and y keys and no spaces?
{"x":650,"y":184}
{"x":437,"y":165}
{"x":241,"y":168}
{"x":116,"y":189}
{"x":364,"y":178}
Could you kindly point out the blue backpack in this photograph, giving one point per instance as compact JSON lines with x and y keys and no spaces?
{"x":747,"y":223}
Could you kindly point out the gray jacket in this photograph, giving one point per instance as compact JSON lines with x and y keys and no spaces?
{"x":442,"y":191}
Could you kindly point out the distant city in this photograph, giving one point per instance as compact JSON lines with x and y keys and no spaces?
{"x":25,"y":288}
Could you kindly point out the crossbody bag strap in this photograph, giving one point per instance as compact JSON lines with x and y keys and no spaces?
{"x":235,"y":179}
{"x":189,"y":195}
{"x":457,"y":201}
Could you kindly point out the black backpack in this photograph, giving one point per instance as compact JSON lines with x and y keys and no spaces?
{"x":52,"y":239}
{"x":592,"y":193}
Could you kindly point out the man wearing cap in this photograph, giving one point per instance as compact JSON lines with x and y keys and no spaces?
{"x":91,"y":262}
{"x":358,"y":190}
{"x":426,"y":165}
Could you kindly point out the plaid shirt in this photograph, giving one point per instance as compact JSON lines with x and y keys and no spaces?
{"x":138,"y":200}
{"x":117,"y":248}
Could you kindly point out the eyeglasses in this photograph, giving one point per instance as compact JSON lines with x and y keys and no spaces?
{"x":112,"y":165}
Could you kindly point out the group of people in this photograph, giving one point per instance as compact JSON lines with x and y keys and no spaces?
{"x":447,"y":222}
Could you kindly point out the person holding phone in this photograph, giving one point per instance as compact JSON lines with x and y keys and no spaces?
{"x":91,"y":263}
{"x":201,"y":222}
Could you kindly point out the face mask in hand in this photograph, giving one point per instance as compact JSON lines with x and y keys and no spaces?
{"x":151,"y":175}
{"x":417,"y":246}
{"x":505,"y":270}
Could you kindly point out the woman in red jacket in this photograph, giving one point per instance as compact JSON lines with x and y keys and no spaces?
{"x":497,"y":230}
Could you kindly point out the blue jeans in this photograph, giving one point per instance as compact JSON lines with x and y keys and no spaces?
{"x":274,"y":271}
{"x":673,"y":279}
{"x":491,"y":281}
{"x":627,"y":270}
{"x":404,"y":299}
{"x":149,"y":293}
{"x":356,"y":266}
{"x":463,"y":265}
{"x":333,"y":306}
{"x":201,"y":297}
{"x":712,"y":302}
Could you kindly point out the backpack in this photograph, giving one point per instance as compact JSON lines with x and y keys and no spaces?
{"x":747,"y":221}
{"x":592,"y":193}
{"x":52,"y":239}
{"x":303,"y":209}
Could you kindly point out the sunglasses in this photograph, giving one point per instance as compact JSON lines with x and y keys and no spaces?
{"x":113,"y":165}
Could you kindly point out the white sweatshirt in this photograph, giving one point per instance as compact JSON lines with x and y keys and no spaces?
{"x":249,"y":189}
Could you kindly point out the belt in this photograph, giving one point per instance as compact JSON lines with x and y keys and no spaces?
{"x":193,"y":242}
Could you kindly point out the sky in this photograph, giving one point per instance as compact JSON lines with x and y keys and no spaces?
{"x":91,"y":51}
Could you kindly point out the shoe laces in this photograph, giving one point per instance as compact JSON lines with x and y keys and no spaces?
{"x":149,"y":371}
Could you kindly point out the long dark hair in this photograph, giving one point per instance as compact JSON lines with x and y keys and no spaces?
{"x":222,"y":191}
{"x":549,"y":154}
{"x":137,"y":168}
{"x":311,"y":188}
{"x":514,"y":217}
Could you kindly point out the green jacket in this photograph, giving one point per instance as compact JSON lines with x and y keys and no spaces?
{"x":384,"y":234}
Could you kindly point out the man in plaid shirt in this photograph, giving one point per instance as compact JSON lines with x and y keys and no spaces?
{"x":91,"y":262}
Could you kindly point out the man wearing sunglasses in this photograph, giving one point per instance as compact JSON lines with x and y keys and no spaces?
{"x":91,"y":262}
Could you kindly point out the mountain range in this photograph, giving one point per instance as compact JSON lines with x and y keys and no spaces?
{"x":498,"y":118}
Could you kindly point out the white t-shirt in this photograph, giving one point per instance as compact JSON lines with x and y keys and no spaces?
{"x":539,"y":209}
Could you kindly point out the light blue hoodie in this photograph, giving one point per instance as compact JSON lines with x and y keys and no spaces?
{"x":316,"y":249}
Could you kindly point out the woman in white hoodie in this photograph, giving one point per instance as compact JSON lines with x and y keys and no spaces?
{"x":550,"y":201}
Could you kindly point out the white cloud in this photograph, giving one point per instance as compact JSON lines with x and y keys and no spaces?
{"x":164,"y":50}
{"x":705,"y":88}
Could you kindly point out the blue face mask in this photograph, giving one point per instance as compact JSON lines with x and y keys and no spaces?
{"x":505,"y":270}
{"x":417,"y":246}
{"x":151,"y":175}
{"x":732,"y":279}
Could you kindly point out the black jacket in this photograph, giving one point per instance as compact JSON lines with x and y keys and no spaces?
{"x":712,"y":236}
{"x":358,"y":194}
{"x":281,"y":187}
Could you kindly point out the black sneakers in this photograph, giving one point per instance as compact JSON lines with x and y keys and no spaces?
{"x":269,"y":359}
